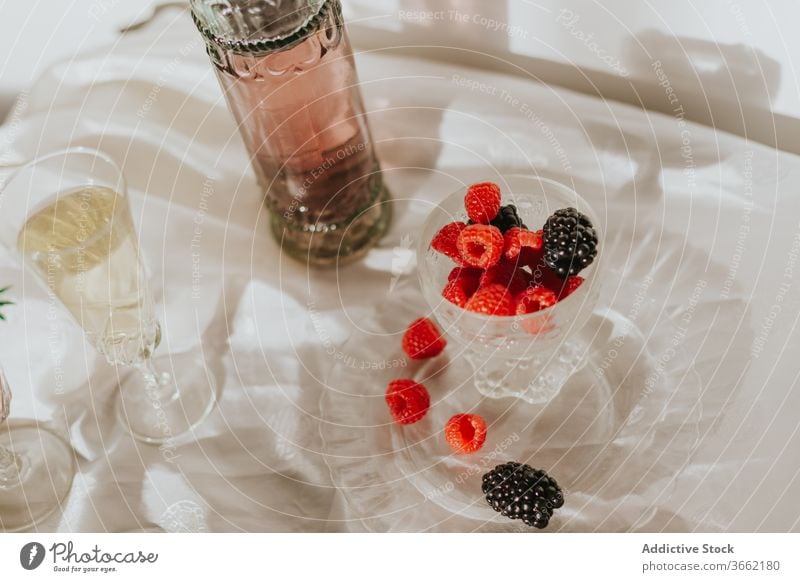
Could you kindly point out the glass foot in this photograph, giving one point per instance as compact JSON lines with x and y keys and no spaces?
{"x":536,"y":379}
{"x":338,"y":244}
{"x":181,"y":397}
{"x":45,"y":467}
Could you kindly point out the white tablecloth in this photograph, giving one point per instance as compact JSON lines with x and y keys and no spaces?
{"x":258,"y":463}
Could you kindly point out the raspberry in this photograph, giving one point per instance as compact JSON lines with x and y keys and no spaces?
{"x":506,"y":274}
{"x":541,"y":274}
{"x":493,"y":299}
{"x":455,"y":293}
{"x":531,"y":257}
{"x":466,"y":274}
{"x":408,"y":401}
{"x":480,"y":245}
{"x":516,"y":238}
{"x":534,"y":299}
{"x":465,"y":433}
{"x":423,"y":340}
{"x":461,"y":285}
{"x":570,"y":285}
{"x":482,"y":202}
{"x":446,"y":240}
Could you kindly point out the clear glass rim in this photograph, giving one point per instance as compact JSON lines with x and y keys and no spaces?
{"x":422,"y":251}
{"x":5,"y":397}
{"x":64,"y":153}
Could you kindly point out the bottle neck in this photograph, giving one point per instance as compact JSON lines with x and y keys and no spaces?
{"x":245,"y":32}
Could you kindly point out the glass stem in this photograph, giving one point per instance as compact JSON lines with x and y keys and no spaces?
{"x":159,"y":384}
{"x":9,"y":467}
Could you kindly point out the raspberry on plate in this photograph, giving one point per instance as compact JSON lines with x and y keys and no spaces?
{"x":465,"y":433}
{"x":535,"y":299}
{"x":480,"y":245}
{"x":446,"y":240}
{"x":517,"y":238}
{"x":493,"y":299}
{"x":408,"y":401}
{"x":482,"y":202}
{"x":423,"y":340}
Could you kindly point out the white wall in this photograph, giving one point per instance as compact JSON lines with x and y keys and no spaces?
{"x":37,"y":33}
{"x":731,"y":63}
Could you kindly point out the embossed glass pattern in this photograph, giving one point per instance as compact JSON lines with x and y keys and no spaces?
{"x":289,"y":78}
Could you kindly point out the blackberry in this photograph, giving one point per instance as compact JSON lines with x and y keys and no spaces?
{"x":519,"y":491}
{"x":570,"y":242}
{"x":507,"y":217}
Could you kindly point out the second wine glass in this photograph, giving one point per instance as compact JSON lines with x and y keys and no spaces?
{"x":36,"y":469}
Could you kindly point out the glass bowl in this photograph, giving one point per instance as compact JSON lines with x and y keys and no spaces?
{"x":529,"y":356}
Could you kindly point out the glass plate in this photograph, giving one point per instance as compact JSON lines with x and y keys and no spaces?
{"x":615,"y":437}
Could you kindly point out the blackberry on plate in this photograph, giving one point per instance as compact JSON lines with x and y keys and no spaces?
{"x":519,"y":491}
{"x":570,"y":242}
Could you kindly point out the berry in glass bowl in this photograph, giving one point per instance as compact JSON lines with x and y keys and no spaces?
{"x":514,"y":289}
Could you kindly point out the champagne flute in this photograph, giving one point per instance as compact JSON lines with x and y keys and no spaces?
{"x":67,"y":214}
{"x":36,"y":469}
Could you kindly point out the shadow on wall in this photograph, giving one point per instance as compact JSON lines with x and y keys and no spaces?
{"x":688,"y":68}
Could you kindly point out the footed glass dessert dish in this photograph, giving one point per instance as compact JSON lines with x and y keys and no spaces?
{"x":528,"y":356}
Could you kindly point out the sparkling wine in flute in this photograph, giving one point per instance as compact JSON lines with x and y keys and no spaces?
{"x":84,"y":248}
{"x":69,"y":219}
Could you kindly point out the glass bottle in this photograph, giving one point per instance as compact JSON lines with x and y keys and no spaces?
{"x":288,"y":74}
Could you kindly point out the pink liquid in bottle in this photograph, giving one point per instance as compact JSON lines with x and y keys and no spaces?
{"x":291,"y":83}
